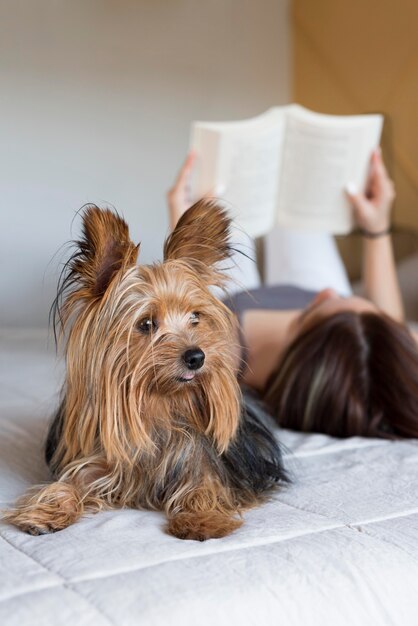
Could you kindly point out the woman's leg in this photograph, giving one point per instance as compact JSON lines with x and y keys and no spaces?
{"x":241,"y":267}
{"x":309,"y":260}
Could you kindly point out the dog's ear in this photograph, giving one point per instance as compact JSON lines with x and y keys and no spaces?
{"x":201,"y":236}
{"x":104,"y":249}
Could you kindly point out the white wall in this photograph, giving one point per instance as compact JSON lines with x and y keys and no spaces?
{"x":96,"y":101}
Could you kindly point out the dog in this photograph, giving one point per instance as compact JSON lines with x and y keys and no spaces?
{"x":151,"y":413}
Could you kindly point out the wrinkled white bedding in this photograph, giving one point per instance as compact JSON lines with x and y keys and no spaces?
{"x":339,"y":546}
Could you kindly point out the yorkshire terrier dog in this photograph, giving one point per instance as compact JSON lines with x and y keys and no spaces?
{"x":151,"y":413}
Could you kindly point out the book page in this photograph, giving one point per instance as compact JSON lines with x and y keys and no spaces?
{"x":323,"y":153}
{"x":246,"y":171}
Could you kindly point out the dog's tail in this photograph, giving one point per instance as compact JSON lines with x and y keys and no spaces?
{"x":254,"y":460}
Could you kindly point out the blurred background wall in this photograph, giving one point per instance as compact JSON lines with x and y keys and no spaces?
{"x":97,"y":97}
{"x":360,"y":57}
{"x":96,"y":100}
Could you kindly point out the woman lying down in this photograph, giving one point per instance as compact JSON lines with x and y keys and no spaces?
{"x":323,"y":359}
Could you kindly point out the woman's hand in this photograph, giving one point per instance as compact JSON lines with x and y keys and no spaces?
{"x":372,"y":213}
{"x":179,"y":196}
{"x":372,"y":208}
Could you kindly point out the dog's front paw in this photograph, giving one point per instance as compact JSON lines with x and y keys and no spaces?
{"x":46,"y":510}
{"x":200,"y":526}
{"x":33,"y":529}
{"x":35,"y":521}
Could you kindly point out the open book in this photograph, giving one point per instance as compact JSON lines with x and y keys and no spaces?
{"x":288,"y":166}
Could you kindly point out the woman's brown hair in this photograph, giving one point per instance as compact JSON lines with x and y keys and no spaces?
{"x":350,"y":374}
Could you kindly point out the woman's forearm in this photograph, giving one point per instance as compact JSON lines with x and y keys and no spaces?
{"x":380,"y":279}
{"x":372,"y":208}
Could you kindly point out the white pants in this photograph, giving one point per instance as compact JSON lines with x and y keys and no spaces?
{"x":308,"y":260}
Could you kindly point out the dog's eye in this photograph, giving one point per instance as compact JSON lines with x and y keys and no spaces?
{"x":195,"y":317}
{"x":147,"y":325}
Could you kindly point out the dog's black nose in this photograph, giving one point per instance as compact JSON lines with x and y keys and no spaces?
{"x":194,"y":358}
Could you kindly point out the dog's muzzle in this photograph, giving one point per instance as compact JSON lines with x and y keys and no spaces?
{"x":194,"y":358}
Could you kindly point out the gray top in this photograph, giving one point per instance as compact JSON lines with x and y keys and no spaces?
{"x":274,"y":298}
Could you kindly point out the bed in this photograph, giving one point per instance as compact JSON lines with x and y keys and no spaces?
{"x":338,"y":546}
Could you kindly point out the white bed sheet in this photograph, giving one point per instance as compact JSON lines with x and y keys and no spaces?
{"x":339,"y":546}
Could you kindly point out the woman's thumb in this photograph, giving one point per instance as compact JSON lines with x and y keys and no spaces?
{"x":358,"y":200}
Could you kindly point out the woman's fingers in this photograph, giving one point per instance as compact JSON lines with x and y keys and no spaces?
{"x":372,"y":214}
{"x":379,"y":166}
{"x":359,"y":202}
{"x":183,"y":178}
{"x":379,"y":188}
{"x":365,"y":214}
{"x":384,"y":189}
{"x":185,"y":170}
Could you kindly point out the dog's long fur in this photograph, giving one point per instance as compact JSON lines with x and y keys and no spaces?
{"x":136,"y":426}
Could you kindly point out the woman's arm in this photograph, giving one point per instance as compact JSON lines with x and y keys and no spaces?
{"x":372,"y":213}
{"x":380,"y":278}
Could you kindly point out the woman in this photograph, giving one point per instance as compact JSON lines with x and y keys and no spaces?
{"x":326,"y":361}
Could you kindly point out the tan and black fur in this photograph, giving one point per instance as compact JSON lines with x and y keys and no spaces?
{"x":136,"y":427}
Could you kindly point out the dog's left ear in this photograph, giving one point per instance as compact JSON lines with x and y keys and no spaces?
{"x":104,"y":249}
{"x":201,"y":236}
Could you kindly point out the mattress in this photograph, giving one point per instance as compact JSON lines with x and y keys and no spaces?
{"x":338,"y":546}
